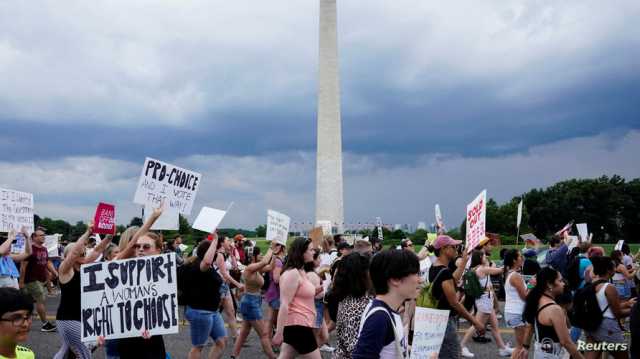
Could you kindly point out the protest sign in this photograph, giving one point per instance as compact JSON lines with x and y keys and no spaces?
{"x":430,"y":325}
{"x":316,"y":237}
{"x":326,"y":227}
{"x":277,"y":227}
{"x":160,"y":181}
{"x":566,"y":228}
{"x":583,"y":232}
{"x":431,"y":237}
{"x":105,"y":219}
{"x":169,"y":220}
{"x":51,"y":243}
{"x":208,"y":219}
{"x":476,"y":220}
{"x":380,"y":232}
{"x":16,"y":210}
{"x":122,"y":298}
{"x":18,"y":244}
{"x":618,"y":246}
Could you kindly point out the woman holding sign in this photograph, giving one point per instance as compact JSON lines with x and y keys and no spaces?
{"x":68,"y":315}
{"x":143,"y":243}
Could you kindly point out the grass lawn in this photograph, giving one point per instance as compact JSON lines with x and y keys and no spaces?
{"x":608,"y":247}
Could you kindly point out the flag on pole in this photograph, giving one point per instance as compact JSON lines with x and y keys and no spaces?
{"x":519,"y":220}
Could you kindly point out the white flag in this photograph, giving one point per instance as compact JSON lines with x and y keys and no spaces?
{"x":519,"y":220}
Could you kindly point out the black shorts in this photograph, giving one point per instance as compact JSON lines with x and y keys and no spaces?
{"x":300,"y":338}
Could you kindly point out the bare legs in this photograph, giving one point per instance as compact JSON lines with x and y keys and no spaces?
{"x":260,"y":328}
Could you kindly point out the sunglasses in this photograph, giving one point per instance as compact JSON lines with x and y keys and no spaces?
{"x":145,"y":246}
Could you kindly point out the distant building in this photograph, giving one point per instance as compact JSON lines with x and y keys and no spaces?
{"x":422,"y":225}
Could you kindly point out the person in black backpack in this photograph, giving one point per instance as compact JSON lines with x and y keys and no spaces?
{"x":548,"y":319}
{"x":444,"y":290}
{"x":612,"y":309}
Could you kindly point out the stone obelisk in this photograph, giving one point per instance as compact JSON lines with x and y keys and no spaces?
{"x":329,"y":200}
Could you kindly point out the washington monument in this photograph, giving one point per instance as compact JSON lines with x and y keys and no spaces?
{"x":329,"y":200}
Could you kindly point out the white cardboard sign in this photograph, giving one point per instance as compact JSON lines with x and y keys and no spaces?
{"x":618,"y":246}
{"x":122,"y":298}
{"x":16,"y":210}
{"x":51,"y":243}
{"x":583,"y":232}
{"x":208,"y":219}
{"x":277,"y":227}
{"x":161,"y":181}
{"x":429,"y":328}
{"x":476,"y":220}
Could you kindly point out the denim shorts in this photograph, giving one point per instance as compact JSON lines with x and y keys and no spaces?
{"x":319,"y":313}
{"x":514,"y":320}
{"x":251,"y":306}
{"x":275,"y":304}
{"x":204,"y":324}
{"x":224,"y":290}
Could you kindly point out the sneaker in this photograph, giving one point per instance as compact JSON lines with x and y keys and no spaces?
{"x":466,"y":353}
{"x":326,"y":348}
{"x":505,"y":352}
{"x":48,"y":327}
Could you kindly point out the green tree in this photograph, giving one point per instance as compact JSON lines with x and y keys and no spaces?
{"x":261,"y":231}
{"x":136,"y":221}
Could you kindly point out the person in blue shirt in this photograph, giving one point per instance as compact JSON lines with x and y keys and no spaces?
{"x":9,"y":273}
{"x":557,"y":254}
{"x":395,"y":278}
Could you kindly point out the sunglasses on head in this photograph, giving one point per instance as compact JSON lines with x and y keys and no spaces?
{"x":145,"y":246}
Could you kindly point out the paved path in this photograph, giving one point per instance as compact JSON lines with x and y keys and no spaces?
{"x":45,"y":345}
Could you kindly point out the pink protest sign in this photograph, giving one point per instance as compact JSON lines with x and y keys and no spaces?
{"x":476,"y":215}
{"x":105,"y":220}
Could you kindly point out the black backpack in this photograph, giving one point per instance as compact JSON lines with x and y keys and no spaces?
{"x":586,"y":313}
{"x":573,"y":272}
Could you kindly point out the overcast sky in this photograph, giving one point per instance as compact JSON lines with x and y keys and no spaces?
{"x":439,"y":101}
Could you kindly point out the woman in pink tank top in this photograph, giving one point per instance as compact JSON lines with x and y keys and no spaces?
{"x":297,"y":313}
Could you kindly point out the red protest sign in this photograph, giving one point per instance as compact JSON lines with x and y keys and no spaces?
{"x":105,"y":220}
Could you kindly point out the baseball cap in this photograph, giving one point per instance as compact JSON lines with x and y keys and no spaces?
{"x":484,"y":241}
{"x":444,"y":240}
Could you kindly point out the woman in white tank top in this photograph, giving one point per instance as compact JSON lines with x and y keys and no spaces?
{"x":612,"y":309}
{"x":484,"y":305}
{"x":516,"y":291}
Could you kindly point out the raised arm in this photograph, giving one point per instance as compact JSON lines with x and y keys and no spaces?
{"x":208,"y":258}
{"x":97,"y":251}
{"x":457,"y":274}
{"x":129,"y":250}
{"x":5,"y":247}
{"x":27,"y":247}
{"x":258,"y":266}
{"x":77,"y":251}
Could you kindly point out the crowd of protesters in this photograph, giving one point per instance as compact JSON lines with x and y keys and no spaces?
{"x":575,"y":302}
